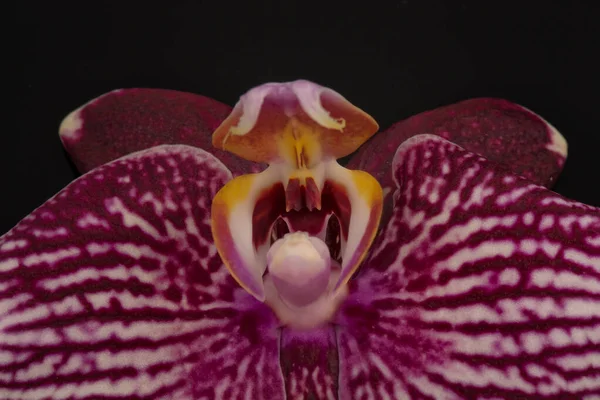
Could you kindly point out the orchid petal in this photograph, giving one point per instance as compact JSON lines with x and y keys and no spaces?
{"x":501,"y":131}
{"x":297,"y":122}
{"x":482,"y":285}
{"x":309,"y":362}
{"x":114,"y":289}
{"x":128,"y":120}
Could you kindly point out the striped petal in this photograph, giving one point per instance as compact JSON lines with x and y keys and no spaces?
{"x":113,"y":289}
{"x":482,"y":285}
{"x":309,"y":363}
{"x":501,"y":131}
{"x":128,"y":120}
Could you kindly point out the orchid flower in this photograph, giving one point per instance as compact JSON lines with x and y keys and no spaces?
{"x":251,"y":265}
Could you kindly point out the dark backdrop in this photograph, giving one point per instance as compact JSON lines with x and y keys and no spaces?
{"x":391,"y":58}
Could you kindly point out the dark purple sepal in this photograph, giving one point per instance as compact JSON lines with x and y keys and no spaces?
{"x":128,"y":120}
{"x":482,"y":285}
{"x":113,"y":289}
{"x":501,"y":131}
{"x":309,"y":363}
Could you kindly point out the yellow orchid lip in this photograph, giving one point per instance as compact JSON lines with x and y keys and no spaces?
{"x":299,"y":129}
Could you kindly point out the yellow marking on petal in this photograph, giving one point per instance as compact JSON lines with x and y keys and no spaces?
{"x":235,"y":191}
{"x":369,"y":188}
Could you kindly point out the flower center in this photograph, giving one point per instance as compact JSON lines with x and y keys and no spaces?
{"x":299,"y":129}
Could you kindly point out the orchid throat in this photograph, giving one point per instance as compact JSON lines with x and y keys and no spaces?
{"x":301,"y":227}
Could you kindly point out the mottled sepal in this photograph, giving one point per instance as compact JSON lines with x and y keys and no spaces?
{"x":501,"y":131}
{"x":481,"y":285}
{"x":299,"y":123}
{"x":113,"y":289}
{"x":128,"y":120}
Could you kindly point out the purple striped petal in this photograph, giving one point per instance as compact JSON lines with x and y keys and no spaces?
{"x":113,"y":290}
{"x":309,"y":362}
{"x":482,"y":285}
{"x":128,"y":120}
{"x":501,"y":131}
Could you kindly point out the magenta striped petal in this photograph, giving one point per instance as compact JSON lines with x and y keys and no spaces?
{"x":309,"y":362}
{"x":501,"y":131}
{"x":483,"y":285}
{"x":128,"y":120}
{"x":113,"y":290}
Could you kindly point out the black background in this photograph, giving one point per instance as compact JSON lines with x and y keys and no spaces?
{"x":391,"y":58}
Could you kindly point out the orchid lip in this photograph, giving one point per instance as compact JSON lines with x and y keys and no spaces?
{"x":299,"y":129}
